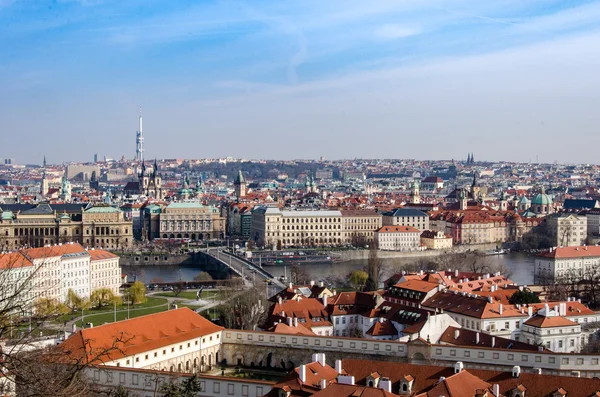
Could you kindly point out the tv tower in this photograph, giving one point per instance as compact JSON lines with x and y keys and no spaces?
{"x":139,"y":142}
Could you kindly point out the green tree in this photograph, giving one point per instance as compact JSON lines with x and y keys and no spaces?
{"x":137,"y":293}
{"x":373,"y":265}
{"x":523,"y":297}
{"x":357,"y":279}
{"x":203,"y":276}
{"x":190,"y":387}
{"x":75,"y":302}
{"x":104,"y":297}
{"x":47,"y":307}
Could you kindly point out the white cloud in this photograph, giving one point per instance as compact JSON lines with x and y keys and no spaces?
{"x":396,"y":31}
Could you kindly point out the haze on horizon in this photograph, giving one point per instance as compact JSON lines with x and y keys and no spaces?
{"x":508,"y":80}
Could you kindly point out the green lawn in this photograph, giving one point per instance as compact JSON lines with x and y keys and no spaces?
{"x":150,"y":301}
{"x":100,"y":319}
{"x":191,"y":294}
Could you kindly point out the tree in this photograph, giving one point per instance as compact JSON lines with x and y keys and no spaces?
{"x":120,"y":391}
{"x":523,"y":297}
{"x":178,"y":288}
{"x":104,"y":297}
{"x":298,"y":275}
{"x":373,"y":268}
{"x":278,"y":245}
{"x":136,"y":294}
{"x":49,"y":307}
{"x":189,"y":387}
{"x":357,"y":279}
{"x":245,"y":310}
{"x":75,"y":302}
{"x":250,"y":245}
{"x":203,"y":276}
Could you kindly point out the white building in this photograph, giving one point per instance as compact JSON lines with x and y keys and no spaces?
{"x":406,"y":217}
{"x":398,"y":238}
{"x":177,"y":340}
{"x":550,"y":329}
{"x":105,"y":271}
{"x":75,"y":268}
{"x":560,"y":262}
{"x":568,"y":229}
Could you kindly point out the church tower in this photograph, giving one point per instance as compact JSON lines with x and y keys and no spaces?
{"x":240,"y":185}
{"x":475,"y":188}
{"x":503,"y":202}
{"x":463,"y":200}
{"x":415,"y":197}
{"x":44,"y":187}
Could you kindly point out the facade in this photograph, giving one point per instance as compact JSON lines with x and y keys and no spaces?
{"x":359,"y":226}
{"x":398,"y":238}
{"x":39,"y":225}
{"x":562,"y":262}
{"x":554,"y":332}
{"x":178,"y":340}
{"x":593,"y":222}
{"x":406,"y":217}
{"x":295,"y":228}
{"x":568,"y":229}
{"x":105,"y":271}
{"x":191,"y":220}
{"x":50,"y":272}
{"x":433,"y":240}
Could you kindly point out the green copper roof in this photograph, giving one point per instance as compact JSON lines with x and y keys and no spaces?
{"x":188,"y":205}
{"x":102,"y":210}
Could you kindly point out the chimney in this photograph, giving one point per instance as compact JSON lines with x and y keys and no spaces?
{"x":490,"y":299}
{"x":529,"y":311}
{"x":556,"y":308}
{"x":458,"y":367}
{"x":295,"y":321}
{"x":496,"y":390}
{"x":282,"y":313}
{"x":500,"y":309}
{"x":456,"y":333}
{"x":303,"y":373}
{"x":516,"y":371}
{"x":312,"y":283}
{"x":291,"y":285}
{"x":345,"y":379}
{"x":321,"y":359}
{"x":476,"y":338}
{"x":334,"y":292}
{"x":546,"y":309}
{"x":338,"y":366}
{"x":289,"y":321}
{"x":385,"y":384}
{"x":456,"y":273}
{"x":279,"y":300}
{"x":315,"y":357}
{"x":323,"y":384}
{"x":324,"y":300}
{"x":321,"y":284}
{"x":493,"y":341}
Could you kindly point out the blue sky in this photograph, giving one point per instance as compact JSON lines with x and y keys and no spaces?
{"x":506,"y":79}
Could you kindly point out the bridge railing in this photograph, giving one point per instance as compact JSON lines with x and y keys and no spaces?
{"x":248,"y":263}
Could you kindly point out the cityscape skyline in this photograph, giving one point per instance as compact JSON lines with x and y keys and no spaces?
{"x":269,"y":80}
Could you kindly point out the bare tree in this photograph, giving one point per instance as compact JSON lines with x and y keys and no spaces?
{"x":373,"y":270}
{"x":244,"y":310}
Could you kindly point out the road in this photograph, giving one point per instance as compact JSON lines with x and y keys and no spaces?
{"x":252,"y":274}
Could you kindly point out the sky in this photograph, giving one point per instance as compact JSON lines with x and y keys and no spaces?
{"x":507,"y":80}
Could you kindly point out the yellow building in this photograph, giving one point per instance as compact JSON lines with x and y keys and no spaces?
{"x":436,"y":240}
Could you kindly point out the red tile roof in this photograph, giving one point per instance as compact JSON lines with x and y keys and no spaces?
{"x":116,"y":340}
{"x":397,"y":229}
{"x":99,"y":254}
{"x":549,"y":322}
{"x":572,"y":252}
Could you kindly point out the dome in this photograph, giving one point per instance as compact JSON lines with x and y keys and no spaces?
{"x":541,"y":199}
{"x":524,"y":200}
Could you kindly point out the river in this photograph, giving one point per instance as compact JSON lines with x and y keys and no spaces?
{"x":520,"y":265}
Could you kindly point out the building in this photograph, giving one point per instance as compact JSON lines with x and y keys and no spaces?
{"x":359,"y":226}
{"x":568,"y":229}
{"x":149,"y":184}
{"x":406,"y":217}
{"x":361,"y":377}
{"x":398,"y":238}
{"x":177,"y":340}
{"x":51,"y":271}
{"x":105,"y":270}
{"x":435,"y":240}
{"x":240,"y":185}
{"x":296,"y":228}
{"x":191,"y":220}
{"x":432,"y":183}
{"x":38,"y":225}
{"x":563,"y":262}
{"x":593,"y":222}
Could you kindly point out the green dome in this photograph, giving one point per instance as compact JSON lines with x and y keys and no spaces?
{"x":541,"y":199}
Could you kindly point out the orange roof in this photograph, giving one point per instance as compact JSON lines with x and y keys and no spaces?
{"x":283,"y":328}
{"x":14,"y":260}
{"x":53,"y":251}
{"x":461,"y":384}
{"x":98,"y":255}
{"x":397,"y":229}
{"x":549,"y":322}
{"x":573,"y":252}
{"x":417,"y":285}
{"x":141,"y":334}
